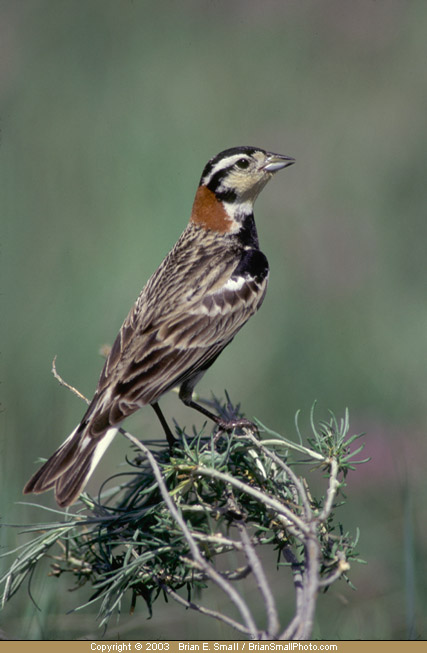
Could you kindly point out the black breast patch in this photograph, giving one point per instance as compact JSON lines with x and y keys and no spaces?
{"x":253,"y":264}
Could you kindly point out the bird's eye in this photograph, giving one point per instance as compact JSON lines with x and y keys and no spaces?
{"x":242,"y":163}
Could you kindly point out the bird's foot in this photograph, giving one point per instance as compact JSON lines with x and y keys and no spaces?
{"x":233,"y":424}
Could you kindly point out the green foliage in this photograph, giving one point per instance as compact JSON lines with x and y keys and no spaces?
{"x":129,"y":540}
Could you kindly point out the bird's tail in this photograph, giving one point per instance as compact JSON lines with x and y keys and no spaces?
{"x":70,"y":467}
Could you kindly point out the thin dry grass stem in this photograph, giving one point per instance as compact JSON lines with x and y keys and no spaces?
{"x":65,"y":384}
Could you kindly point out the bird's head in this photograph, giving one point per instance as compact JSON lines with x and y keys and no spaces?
{"x":230,"y":184}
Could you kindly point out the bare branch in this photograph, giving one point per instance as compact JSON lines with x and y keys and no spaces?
{"x":262,"y":582}
{"x":206,"y":611}
{"x":333,"y":486}
{"x":298,"y":578}
{"x":311,"y":584}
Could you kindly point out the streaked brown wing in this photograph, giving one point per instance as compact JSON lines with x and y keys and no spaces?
{"x":174,"y":349}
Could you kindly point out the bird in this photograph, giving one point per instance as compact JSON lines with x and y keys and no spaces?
{"x":211,"y":282}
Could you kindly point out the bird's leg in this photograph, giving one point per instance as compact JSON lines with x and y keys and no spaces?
{"x":169,"y":436}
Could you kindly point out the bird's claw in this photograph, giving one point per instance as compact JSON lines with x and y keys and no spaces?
{"x":233,"y":424}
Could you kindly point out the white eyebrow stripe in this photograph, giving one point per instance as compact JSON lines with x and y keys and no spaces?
{"x":227,"y":162}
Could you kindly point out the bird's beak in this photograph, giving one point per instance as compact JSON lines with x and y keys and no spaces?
{"x":276,"y":162}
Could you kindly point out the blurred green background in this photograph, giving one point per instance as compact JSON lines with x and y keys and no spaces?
{"x":109,"y":111}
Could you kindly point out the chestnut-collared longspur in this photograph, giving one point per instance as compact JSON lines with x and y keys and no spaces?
{"x":207,"y":287}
